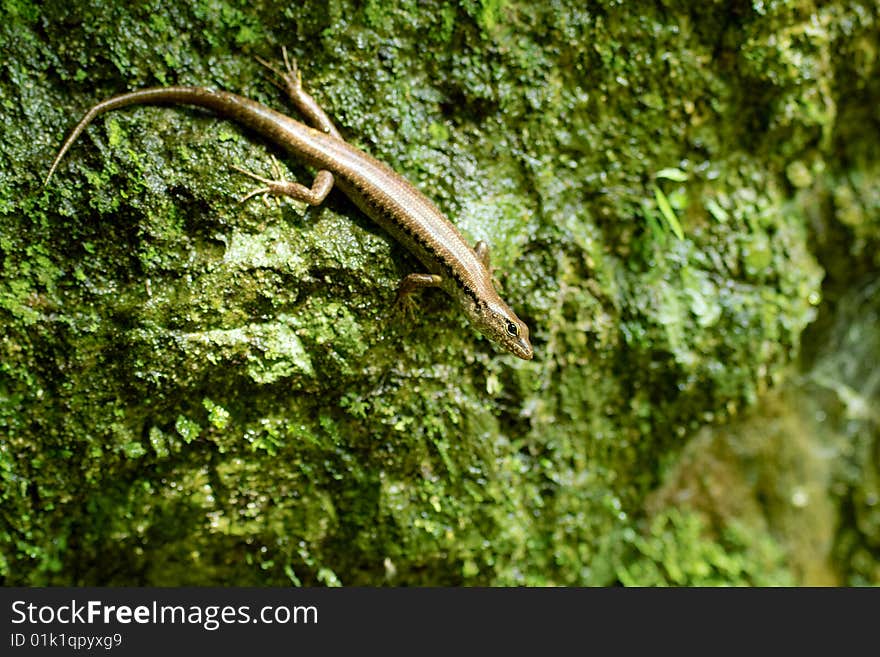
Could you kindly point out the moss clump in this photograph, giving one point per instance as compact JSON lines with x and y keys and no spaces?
{"x":676,"y":551}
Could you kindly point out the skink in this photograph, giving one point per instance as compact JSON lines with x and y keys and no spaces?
{"x":385,"y":196}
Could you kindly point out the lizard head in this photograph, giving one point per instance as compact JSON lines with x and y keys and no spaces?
{"x":500,"y":324}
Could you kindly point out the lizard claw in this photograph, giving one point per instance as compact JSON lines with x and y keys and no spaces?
{"x":291,"y":77}
{"x":271,"y":186}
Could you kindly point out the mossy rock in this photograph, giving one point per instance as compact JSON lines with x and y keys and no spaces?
{"x":199,"y":391}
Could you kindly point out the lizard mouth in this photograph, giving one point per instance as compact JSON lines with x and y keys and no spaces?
{"x":522,"y":349}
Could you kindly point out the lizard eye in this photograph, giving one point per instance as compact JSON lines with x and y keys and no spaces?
{"x":511,"y":329}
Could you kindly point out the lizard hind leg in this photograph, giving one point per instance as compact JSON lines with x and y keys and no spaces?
{"x":291,"y":82}
{"x":265,"y":192}
{"x":313,"y":195}
{"x":291,"y":78}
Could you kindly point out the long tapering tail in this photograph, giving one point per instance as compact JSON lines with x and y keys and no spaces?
{"x":226,"y":103}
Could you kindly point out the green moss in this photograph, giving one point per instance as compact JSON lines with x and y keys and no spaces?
{"x":188,"y":429}
{"x":195,"y":390}
{"x":676,"y":551}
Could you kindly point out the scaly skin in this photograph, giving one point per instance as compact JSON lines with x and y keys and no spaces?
{"x":385,"y":196}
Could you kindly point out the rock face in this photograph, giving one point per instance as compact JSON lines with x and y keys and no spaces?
{"x":198,"y":391}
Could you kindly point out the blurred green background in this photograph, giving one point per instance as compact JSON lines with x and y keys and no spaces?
{"x":682,"y":203}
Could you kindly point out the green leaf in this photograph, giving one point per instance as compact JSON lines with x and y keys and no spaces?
{"x":716,"y":210}
{"x":672,"y":174}
{"x":667,"y":212}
